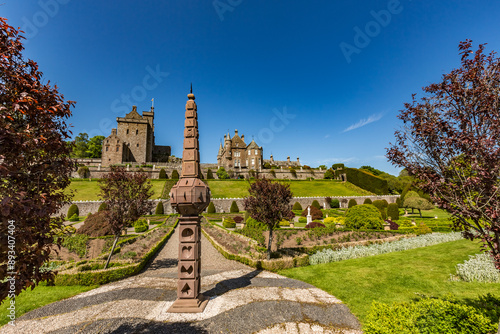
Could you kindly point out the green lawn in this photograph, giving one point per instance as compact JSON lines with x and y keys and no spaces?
{"x":396,"y":277}
{"x":239,"y":188}
{"x":38,"y":297}
{"x":85,"y":190}
{"x":426,"y":213}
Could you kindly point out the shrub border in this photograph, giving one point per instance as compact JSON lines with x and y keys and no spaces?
{"x":270,"y":265}
{"x":104,"y":276}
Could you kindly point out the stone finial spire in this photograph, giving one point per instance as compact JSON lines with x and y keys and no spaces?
{"x":191,"y":154}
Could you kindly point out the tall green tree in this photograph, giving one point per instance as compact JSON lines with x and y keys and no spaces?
{"x":80,"y":148}
{"x":94,"y":147}
{"x":269,"y":203}
{"x":34,"y":166}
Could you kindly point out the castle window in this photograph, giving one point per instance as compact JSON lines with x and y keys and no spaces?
{"x":127,"y":131}
{"x":253,"y":161}
{"x":117,"y":148}
{"x":137,"y":145}
{"x":256,"y":152}
{"x":107,"y":141}
{"x":118,"y":141}
{"x":107,"y":148}
{"x":249,"y":152}
{"x":136,"y":132}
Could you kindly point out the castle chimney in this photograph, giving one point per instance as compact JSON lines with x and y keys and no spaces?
{"x":236,"y":132}
{"x":272,"y":159}
{"x":243,"y":137}
{"x":113,"y":132}
{"x":298,"y":161}
{"x":288,"y":159}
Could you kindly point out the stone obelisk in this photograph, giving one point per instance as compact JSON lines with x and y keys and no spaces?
{"x":190,"y":196}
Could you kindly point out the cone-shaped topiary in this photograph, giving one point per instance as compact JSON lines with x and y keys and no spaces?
{"x":234,"y":207}
{"x":393,"y":211}
{"x":315,"y":203}
{"x":210,"y":174}
{"x":162,"y":175}
{"x":211,"y":208}
{"x":73,"y":209}
{"x":297,"y":206}
{"x":102,"y":207}
{"x":352,"y":202}
{"x":175,"y":174}
{"x":159,"y":208}
{"x":367,"y":201}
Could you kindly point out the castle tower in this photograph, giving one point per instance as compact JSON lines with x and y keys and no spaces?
{"x":190,"y":196}
{"x":228,"y":147}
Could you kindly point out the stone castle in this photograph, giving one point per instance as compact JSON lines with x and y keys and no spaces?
{"x":133,"y":140}
{"x":237,"y":154}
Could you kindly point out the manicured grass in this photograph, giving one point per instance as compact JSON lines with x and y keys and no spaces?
{"x":239,"y":188}
{"x":426,"y":213}
{"x":38,"y":297}
{"x":396,"y":277}
{"x":85,"y":190}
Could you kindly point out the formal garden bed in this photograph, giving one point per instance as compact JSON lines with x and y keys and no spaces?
{"x":82,"y":260}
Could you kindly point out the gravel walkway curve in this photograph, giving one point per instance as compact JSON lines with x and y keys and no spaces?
{"x":242,"y":300}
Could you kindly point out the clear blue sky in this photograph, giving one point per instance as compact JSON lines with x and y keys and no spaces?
{"x":297,"y":75}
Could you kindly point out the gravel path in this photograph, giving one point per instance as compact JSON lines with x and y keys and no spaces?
{"x":242,"y":300}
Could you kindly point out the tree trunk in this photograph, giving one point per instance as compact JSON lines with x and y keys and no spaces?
{"x":420,"y":211}
{"x":269,"y":243}
{"x":412,"y":211}
{"x":112,"y":250}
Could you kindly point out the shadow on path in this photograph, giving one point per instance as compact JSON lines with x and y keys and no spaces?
{"x":232,"y":284}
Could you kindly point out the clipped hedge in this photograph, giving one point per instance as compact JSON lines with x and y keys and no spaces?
{"x":102,"y":207}
{"x":393,"y":211}
{"x":430,"y":315}
{"x":335,"y":203}
{"x":365,"y":180}
{"x":104,"y":276}
{"x":162,"y":175}
{"x":175,"y":174}
{"x":365,"y":216}
{"x":229,"y":223}
{"x":315,"y":204}
{"x":271,"y":265}
{"x":297,"y":206}
{"x":140,"y":226}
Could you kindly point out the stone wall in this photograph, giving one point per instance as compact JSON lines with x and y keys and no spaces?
{"x":224,"y":204}
{"x":97,"y":171}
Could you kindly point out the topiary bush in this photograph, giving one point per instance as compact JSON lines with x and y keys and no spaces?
{"x":380,"y":204}
{"x":430,"y":315}
{"x":367,"y":201}
{"x":315,"y":204}
{"x":159,"y":208}
{"x":102,"y":207}
{"x":229,"y":223}
{"x":140,"y":226}
{"x":211,"y":208}
{"x":253,"y":224}
{"x":238,"y":219}
{"x":393,"y":211}
{"x":314,"y":225}
{"x":234,"y":208}
{"x":96,"y":225}
{"x":210,"y":174}
{"x":162,"y":175}
{"x":352,"y":202}
{"x":83,"y":172}
{"x":315,"y":213}
{"x":73,"y":209}
{"x":175,"y":174}
{"x":365,"y":216}
{"x":335,"y":203}
{"x":284,"y":223}
{"x":302,"y":220}
{"x":297,"y":206}
{"x":73,"y":218}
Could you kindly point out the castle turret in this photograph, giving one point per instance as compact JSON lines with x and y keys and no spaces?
{"x":228,"y":146}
